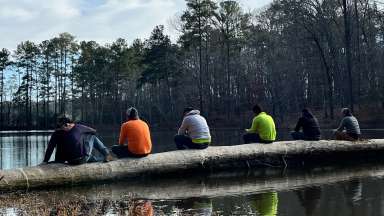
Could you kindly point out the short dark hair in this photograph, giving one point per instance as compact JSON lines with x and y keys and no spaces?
{"x":132,"y":113}
{"x":257,"y":109}
{"x":63,"y":120}
{"x":187,"y":110}
{"x":346,"y":112}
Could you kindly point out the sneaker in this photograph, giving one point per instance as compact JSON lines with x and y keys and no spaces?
{"x":108,"y":158}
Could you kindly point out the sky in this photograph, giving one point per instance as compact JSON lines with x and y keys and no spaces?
{"x":100,"y":20}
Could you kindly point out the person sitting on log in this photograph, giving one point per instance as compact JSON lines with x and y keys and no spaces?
{"x":351,"y":126}
{"x":310,"y":126}
{"x":263,"y":128}
{"x":193,"y":132}
{"x":136,"y":133}
{"x":74,"y":143}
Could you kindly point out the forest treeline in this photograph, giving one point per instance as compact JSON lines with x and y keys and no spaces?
{"x":322,"y":54}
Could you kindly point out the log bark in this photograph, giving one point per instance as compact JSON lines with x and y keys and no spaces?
{"x":278,"y":154}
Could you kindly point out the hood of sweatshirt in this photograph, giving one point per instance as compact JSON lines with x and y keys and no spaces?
{"x":193,"y":112}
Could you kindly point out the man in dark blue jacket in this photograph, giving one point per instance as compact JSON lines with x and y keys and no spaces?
{"x":74,"y":143}
{"x":310,"y":126}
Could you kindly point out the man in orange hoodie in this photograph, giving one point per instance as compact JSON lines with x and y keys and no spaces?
{"x":136,"y":132}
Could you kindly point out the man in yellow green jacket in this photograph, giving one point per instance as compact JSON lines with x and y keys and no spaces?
{"x":263,"y":128}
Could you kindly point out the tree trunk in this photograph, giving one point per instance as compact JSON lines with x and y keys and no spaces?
{"x":347,"y":36}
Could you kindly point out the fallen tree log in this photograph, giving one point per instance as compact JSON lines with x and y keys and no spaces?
{"x":279,"y":154}
{"x":222,"y":184}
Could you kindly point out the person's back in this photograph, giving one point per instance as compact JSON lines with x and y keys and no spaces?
{"x":265,"y":126}
{"x":196,"y":126}
{"x":310,"y":127}
{"x":136,"y":132}
{"x":193,"y":132}
{"x":351,"y":125}
{"x":68,"y":144}
{"x":74,"y":143}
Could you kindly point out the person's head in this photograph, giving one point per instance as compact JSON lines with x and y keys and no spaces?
{"x":132,"y":113}
{"x":257,"y":109}
{"x":187,"y":110}
{"x":63,"y":121}
{"x":346,"y":112}
{"x":307,"y":113}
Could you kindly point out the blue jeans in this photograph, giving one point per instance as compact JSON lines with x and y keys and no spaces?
{"x":92,"y":142}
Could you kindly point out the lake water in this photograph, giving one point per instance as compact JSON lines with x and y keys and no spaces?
{"x":357,"y":190}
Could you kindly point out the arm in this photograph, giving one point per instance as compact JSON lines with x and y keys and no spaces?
{"x":86,"y":129}
{"x":50,"y":148}
{"x":341,"y":126}
{"x":183,"y":128}
{"x":254,"y":127}
{"x":299,"y":125}
{"x":123,"y":135}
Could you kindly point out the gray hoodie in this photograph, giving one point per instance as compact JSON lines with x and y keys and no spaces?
{"x":195,"y":126}
{"x":350,"y":124}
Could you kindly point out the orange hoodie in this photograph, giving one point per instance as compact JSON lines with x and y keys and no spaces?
{"x":138,"y":136}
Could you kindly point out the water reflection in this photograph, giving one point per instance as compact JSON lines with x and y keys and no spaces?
{"x":194,"y":206}
{"x":309,"y":199}
{"x":21,"y":151}
{"x":357,"y":190}
{"x":264,"y":204}
{"x":353,"y":192}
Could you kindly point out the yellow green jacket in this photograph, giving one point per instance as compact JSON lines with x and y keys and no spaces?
{"x":263,"y":125}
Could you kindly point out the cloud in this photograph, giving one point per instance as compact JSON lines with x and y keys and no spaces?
{"x":101,"y":20}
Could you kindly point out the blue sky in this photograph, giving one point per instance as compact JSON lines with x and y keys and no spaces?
{"x":99,"y":20}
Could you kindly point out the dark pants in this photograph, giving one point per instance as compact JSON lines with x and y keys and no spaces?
{"x":296,"y":135}
{"x":183,"y":142}
{"x":121,"y":151}
{"x":254,"y":138}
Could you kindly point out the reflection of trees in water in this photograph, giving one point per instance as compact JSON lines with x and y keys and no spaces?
{"x":309,"y":198}
{"x":265,"y":204}
{"x":29,"y":204}
{"x":194,"y":206}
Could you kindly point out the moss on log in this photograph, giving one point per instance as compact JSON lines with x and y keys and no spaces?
{"x":279,"y":154}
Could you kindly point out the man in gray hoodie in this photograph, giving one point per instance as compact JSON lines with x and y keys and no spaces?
{"x":193,"y":132}
{"x":351,"y":126}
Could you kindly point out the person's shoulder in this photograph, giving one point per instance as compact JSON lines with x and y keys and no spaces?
{"x":142,"y":122}
{"x":126,"y":124}
{"x":189,"y":117}
{"x":78,"y":125}
{"x":83,"y":126}
{"x":264,"y":115}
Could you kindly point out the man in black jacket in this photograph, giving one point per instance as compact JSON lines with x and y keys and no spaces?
{"x":74,"y":143}
{"x":310,"y":126}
